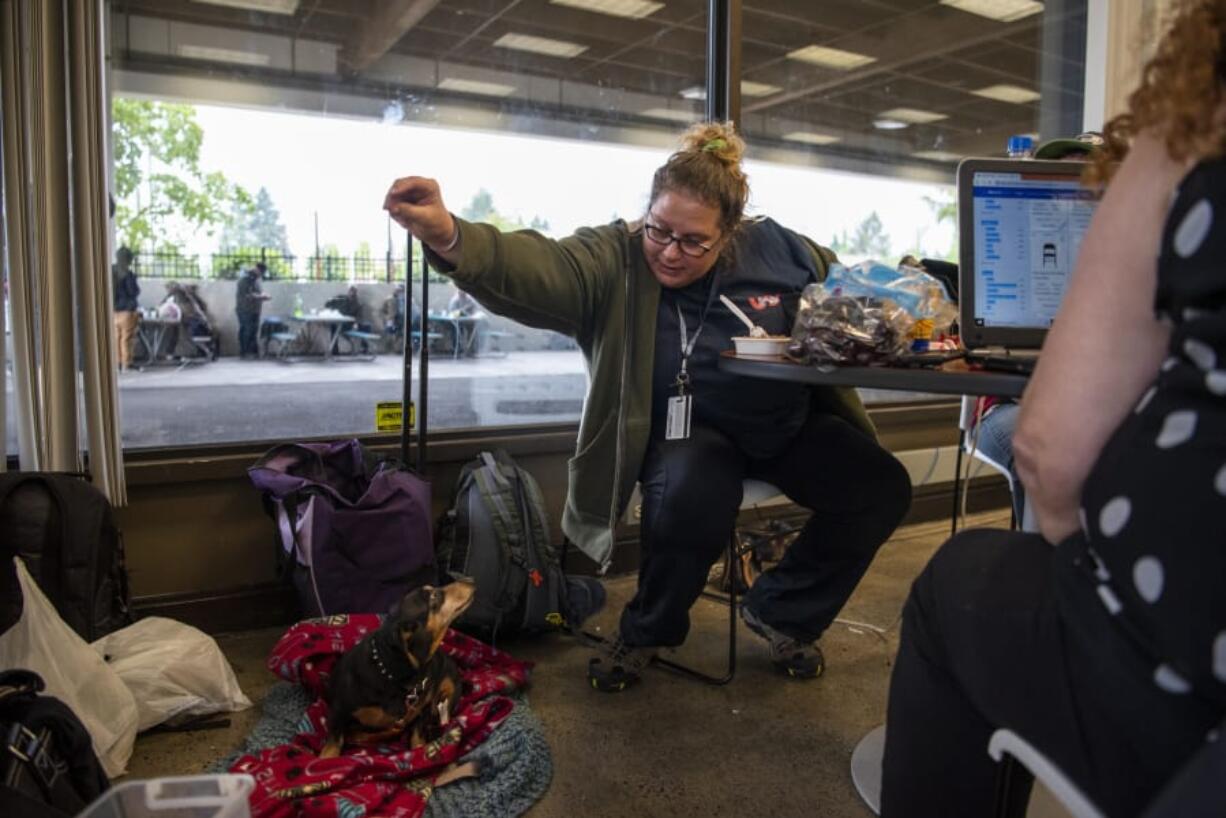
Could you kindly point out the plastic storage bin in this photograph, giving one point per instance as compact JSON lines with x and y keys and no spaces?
{"x":194,"y":796}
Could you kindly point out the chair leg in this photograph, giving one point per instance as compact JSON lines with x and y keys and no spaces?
{"x":698,"y":675}
{"x":953,"y":520}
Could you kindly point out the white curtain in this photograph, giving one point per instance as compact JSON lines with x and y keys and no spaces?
{"x":90,"y":160}
{"x":1133,"y":31}
{"x":55,"y":189}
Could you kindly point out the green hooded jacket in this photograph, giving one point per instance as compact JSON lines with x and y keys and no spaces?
{"x":596,"y":287}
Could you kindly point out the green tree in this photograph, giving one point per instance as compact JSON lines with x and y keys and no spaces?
{"x":255,"y":223}
{"x":481,"y":209}
{"x":945,"y":209}
{"x":869,"y":239}
{"x":160,"y":188}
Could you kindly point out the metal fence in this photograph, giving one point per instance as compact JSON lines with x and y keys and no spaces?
{"x":279,"y":266}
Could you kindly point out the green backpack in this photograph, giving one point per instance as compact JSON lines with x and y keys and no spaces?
{"x":497,"y":533}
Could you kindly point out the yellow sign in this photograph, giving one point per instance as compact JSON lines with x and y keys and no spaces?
{"x":389,"y":416}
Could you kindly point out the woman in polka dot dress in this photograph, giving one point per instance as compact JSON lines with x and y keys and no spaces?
{"x":1107,"y":652}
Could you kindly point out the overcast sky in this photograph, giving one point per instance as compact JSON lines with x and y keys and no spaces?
{"x":340,"y":168}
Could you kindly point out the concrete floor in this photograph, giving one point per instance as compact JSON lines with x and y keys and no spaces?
{"x":764,"y":745}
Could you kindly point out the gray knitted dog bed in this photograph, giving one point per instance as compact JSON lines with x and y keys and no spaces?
{"x":515,"y":763}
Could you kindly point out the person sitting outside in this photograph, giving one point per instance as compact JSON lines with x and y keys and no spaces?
{"x":392,"y":313}
{"x":641,"y":298}
{"x":1102,"y":639}
{"x":197,"y":319}
{"x":469,"y":334}
{"x":126,"y":303}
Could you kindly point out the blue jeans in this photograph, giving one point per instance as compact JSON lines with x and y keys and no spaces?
{"x":996,"y":443}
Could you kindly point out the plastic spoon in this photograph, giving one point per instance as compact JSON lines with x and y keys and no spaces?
{"x":755,"y":331}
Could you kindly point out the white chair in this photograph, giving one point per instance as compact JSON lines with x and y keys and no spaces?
{"x":1005,"y":747}
{"x":967,"y":444}
{"x":1010,"y":750}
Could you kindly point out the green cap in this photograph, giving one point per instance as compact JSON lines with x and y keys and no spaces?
{"x":1065,"y":148}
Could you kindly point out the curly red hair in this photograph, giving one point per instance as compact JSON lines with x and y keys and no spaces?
{"x":1180,"y":93}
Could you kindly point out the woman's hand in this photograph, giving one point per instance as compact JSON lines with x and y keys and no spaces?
{"x":416,"y":203}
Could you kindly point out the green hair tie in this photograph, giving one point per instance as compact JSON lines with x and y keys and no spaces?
{"x":716,"y":144}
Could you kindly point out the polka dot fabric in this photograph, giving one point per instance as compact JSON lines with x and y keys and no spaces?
{"x":1155,"y":502}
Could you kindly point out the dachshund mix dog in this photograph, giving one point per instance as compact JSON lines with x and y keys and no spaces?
{"x":396,"y":680}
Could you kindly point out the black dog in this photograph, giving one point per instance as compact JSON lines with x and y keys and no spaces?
{"x":396,"y":679}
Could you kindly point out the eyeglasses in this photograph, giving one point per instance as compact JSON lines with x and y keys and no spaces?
{"x":690,"y":247}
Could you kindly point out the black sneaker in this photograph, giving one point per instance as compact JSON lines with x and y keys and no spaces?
{"x":800,"y":660}
{"x":618,"y":665}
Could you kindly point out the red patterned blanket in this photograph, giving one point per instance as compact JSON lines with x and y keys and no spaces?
{"x":387,"y":780}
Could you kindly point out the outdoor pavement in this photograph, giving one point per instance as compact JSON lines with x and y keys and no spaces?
{"x":230,"y":400}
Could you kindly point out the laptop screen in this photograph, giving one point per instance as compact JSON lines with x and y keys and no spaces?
{"x":1021,"y":223}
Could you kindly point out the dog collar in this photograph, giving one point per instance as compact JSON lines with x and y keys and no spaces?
{"x":378,"y":660}
{"x":415,"y":692}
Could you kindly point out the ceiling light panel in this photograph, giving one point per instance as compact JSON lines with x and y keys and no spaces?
{"x":540,"y":45}
{"x":937,"y":156}
{"x":489,"y":89}
{"x":912,"y":116}
{"x":634,"y":9}
{"x":811,"y":138}
{"x":1008,"y":93}
{"x":268,"y":6}
{"x":230,"y":55}
{"x":1006,"y":11}
{"x":835,"y":58}
{"x":748,"y":89}
{"x":673,"y":114}
{"x":758,"y":89}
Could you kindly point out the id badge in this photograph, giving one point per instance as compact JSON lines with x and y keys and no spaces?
{"x":677,"y":427}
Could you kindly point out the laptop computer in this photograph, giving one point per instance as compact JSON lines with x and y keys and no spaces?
{"x":1020,"y":223}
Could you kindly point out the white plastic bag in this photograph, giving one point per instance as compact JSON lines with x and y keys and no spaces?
{"x":75,"y":674}
{"x":172,"y":670}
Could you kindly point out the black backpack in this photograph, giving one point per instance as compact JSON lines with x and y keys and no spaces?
{"x":65,"y":531}
{"x":47,"y":763}
{"x":497,"y":533}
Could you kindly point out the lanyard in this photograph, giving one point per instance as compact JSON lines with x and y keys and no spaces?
{"x":687,"y":341}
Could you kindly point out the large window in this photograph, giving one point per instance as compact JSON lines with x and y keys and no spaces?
{"x":859,"y":111}
{"x":268,"y":131}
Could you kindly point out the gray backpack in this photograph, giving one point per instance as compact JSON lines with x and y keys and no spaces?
{"x":497,"y":533}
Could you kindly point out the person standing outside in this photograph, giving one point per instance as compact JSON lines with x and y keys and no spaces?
{"x":126,"y":294}
{"x":248,"y":303}
{"x":641,"y":299}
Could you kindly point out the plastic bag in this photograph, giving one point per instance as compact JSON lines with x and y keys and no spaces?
{"x":75,"y":674}
{"x":172,"y":669}
{"x":869,"y":313}
{"x":920,"y":294}
{"x":843,"y":329}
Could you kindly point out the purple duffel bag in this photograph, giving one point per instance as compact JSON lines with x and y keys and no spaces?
{"x":355,"y":535}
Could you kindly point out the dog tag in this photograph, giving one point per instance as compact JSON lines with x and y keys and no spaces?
{"x":677,"y":426}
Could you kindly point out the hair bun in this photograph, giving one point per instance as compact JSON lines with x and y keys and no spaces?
{"x":718,"y":139}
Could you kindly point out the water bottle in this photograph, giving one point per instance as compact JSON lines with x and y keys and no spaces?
{"x":298,"y":311}
{"x":1020,"y":146}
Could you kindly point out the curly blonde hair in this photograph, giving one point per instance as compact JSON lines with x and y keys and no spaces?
{"x":708,"y":167}
{"x":1180,"y":92}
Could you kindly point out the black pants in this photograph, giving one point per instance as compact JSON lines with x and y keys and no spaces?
{"x":248,"y":333}
{"x":691,"y":488}
{"x":1002,"y":630}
